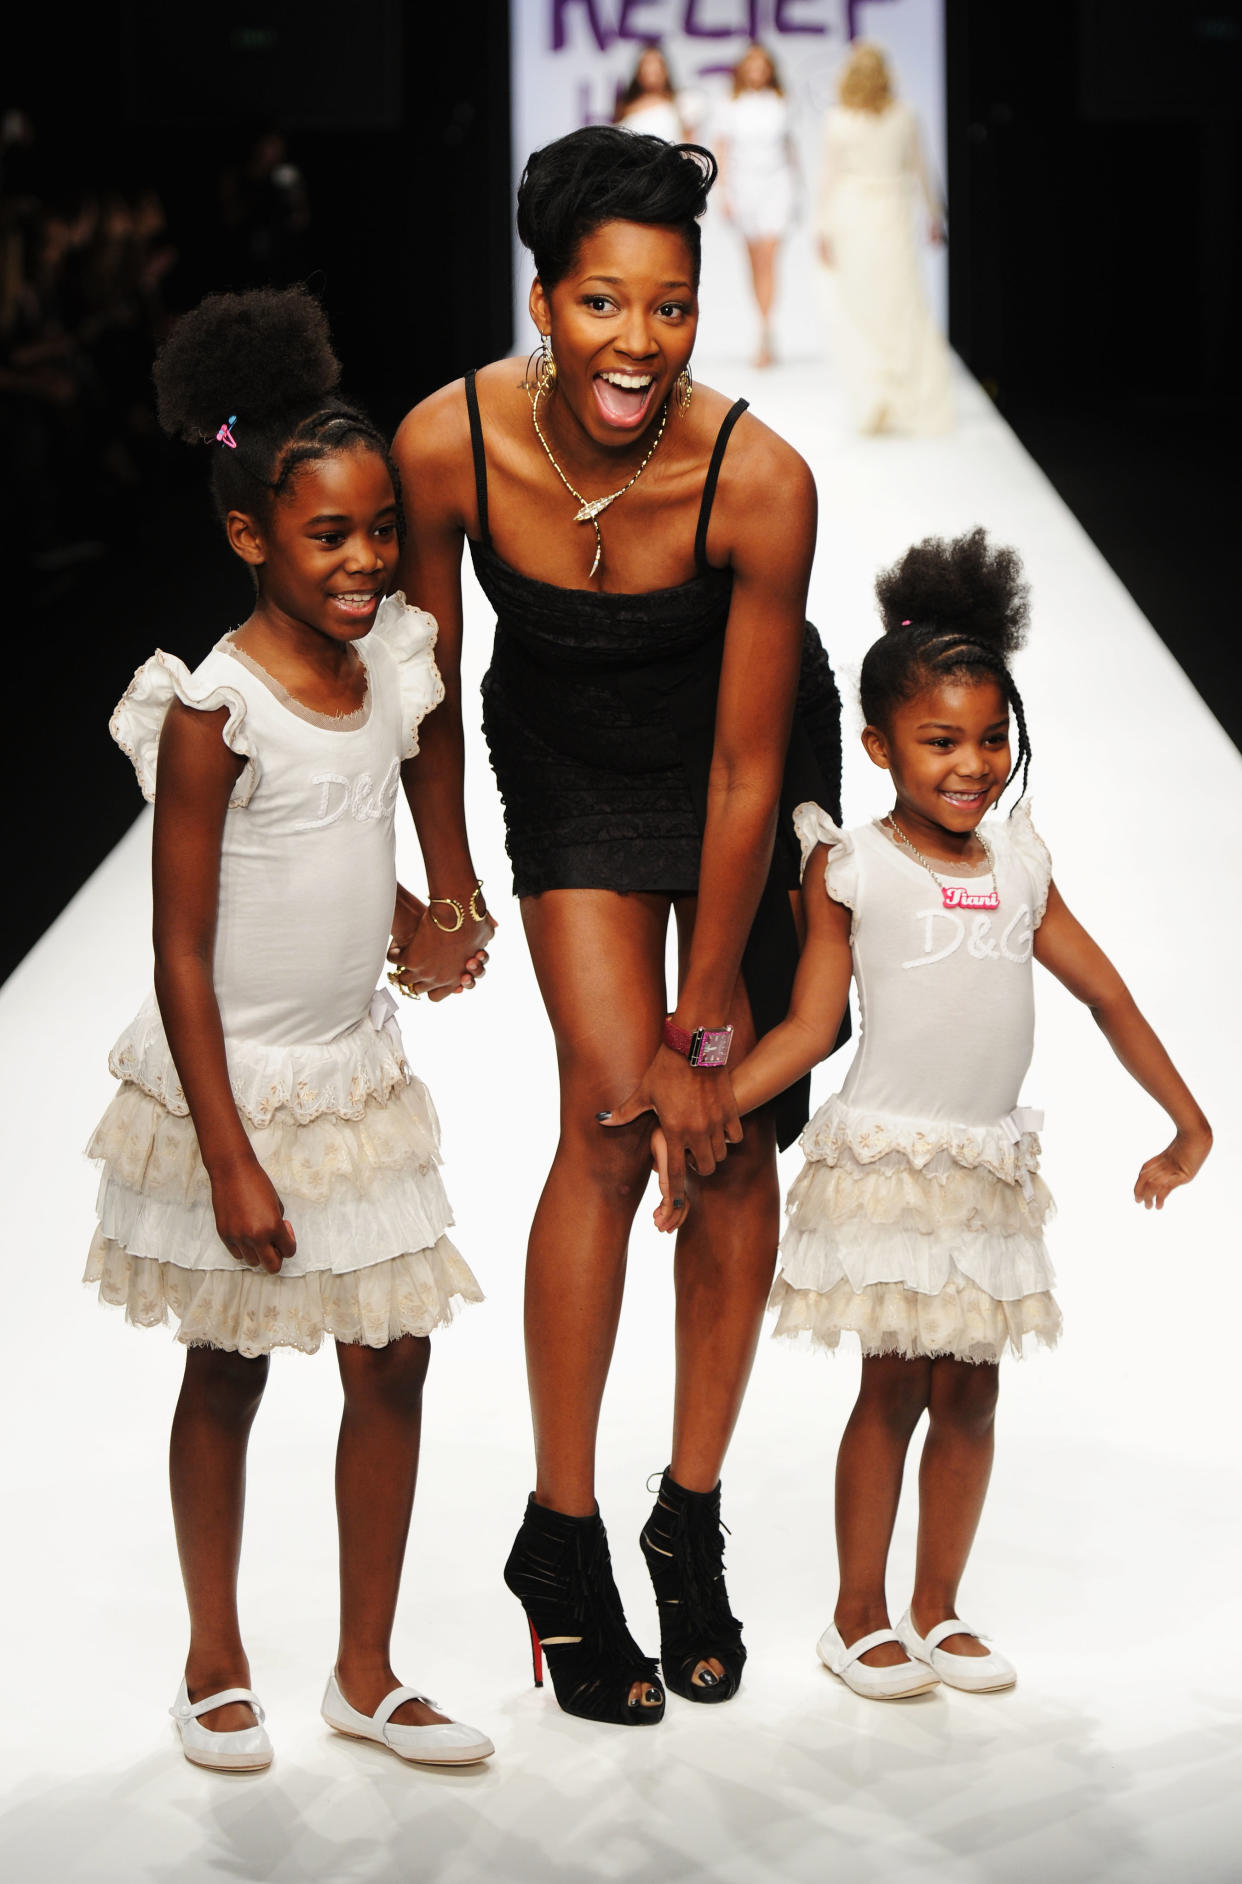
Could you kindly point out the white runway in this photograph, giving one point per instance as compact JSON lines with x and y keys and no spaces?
{"x":1107,"y":1564}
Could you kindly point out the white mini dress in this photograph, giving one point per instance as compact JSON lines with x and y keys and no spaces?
{"x":347,"y":1135}
{"x":917,"y":1219}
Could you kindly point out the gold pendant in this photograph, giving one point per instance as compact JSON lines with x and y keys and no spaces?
{"x":591,"y":509}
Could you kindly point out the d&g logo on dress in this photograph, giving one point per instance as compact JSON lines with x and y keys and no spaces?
{"x":1012,"y":944}
{"x":340,"y":797}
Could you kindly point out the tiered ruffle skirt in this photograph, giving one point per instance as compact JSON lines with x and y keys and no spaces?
{"x":922,"y":1238}
{"x":351,"y":1142}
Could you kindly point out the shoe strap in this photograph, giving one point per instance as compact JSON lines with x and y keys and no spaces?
{"x":953,"y":1626}
{"x":193,"y":1709}
{"x":398,"y":1698}
{"x":871,"y":1641}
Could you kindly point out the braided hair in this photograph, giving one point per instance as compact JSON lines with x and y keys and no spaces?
{"x":262,"y":364}
{"x":951,"y":609}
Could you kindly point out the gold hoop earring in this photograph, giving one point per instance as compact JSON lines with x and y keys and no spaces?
{"x":540,"y":369}
{"x":545,"y":365}
{"x":685,"y":387}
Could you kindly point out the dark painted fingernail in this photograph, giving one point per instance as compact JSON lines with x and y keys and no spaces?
{"x":601,"y":1116}
{"x":679,"y":1203}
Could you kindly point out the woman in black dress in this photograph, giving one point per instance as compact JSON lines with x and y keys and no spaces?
{"x":649,"y":655}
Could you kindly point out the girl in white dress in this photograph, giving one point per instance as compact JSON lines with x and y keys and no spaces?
{"x":754,"y":147}
{"x":917,"y":1220}
{"x":270,"y":1163}
{"x":873,"y":181}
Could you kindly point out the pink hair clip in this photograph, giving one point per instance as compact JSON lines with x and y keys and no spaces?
{"x":905,"y":624}
{"x":224,"y":436}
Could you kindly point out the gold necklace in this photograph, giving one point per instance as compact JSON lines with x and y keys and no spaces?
{"x":590,"y":507}
{"x":951,"y":894}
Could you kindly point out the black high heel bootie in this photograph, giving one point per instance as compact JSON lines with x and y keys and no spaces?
{"x":684,"y":1548}
{"x":560,"y":1571}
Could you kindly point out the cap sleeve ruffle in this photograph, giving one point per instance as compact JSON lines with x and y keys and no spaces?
{"x":140,"y":713}
{"x":1029,"y":847}
{"x":841,"y":876}
{"x":409,"y":636}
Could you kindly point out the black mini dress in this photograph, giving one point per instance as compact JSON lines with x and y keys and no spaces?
{"x":599,"y":712}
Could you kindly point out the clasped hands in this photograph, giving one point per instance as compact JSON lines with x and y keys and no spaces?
{"x":433,"y":961}
{"x":696,"y":1121}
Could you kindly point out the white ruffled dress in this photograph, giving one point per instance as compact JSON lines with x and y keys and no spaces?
{"x":347,"y":1135}
{"x":917,"y":1219}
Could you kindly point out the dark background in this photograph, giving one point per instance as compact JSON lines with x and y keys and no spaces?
{"x":1094,"y":290}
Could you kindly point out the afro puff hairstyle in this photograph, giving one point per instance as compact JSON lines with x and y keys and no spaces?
{"x":952,"y":608}
{"x":263,"y":363}
{"x":605,"y":174}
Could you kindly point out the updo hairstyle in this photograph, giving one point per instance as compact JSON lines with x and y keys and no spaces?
{"x":952,"y":610}
{"x":606,"y":174}
{"x":263,"y":363}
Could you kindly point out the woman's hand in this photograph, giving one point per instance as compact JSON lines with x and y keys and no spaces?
{"x":250,"y":1218}
{"x":430,"y":960}
{"x":695,"y":1107}
{"x":1175,"y":1165}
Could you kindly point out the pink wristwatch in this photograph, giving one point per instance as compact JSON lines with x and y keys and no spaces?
{"x":706,"y":1046}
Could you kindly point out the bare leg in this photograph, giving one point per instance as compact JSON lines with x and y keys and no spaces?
{"x":376,"y":1471}
{"x":599,"y":959}
{"x":891,"y":1400}
{"x":220,"y":1394}
{"x":761,"y":254}
{"x":953,"y":1483}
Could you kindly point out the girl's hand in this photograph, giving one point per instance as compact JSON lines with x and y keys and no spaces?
{"x":696,"y":1108}
{"x":1177,"y":1164}
{"x":670,"y":1213}
{"x":432,"y":961}
{"x":250,"y":1218}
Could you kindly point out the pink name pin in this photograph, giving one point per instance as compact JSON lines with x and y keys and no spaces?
{"x":954,"y":897}
{"x":224,"y":436}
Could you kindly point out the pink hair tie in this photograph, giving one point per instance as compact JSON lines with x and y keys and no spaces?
{"x":224,"y":436}
{"x":905,"y":624}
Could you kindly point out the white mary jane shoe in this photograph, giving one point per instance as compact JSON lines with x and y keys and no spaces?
{"x":446,"y":1743}
{"x":246,"y":1750}
{"x":875,"y":1684}
{"x":975,"y":1674}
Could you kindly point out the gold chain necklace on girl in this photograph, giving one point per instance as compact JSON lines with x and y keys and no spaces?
{"x":590,"y":507}
{"x":953,"y":895}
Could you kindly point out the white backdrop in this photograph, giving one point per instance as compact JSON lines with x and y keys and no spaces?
{"x":569,"y":56}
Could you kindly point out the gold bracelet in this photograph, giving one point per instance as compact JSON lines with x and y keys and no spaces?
{"x":475,"y":905}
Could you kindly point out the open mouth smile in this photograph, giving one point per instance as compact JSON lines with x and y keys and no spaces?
{"x":624,"y":399}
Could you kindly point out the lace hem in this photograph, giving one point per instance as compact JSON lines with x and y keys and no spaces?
{"x":409,"y":635}
{"x":338,"y":1076}
{"x":1009,"y":1148}
{"x":138,"y":721}
{"x":962,"y":1322}
{"x":149,"y":1150}
{"x":251,"y":1312}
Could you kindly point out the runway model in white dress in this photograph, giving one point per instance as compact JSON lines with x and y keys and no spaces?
{"x":873,"y":180}
{"x":758,"y":175}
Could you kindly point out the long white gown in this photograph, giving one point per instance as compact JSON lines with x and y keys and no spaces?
{"x":892,"y":354}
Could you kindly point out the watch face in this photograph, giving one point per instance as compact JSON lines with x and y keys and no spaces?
{"x":712,"y":1046}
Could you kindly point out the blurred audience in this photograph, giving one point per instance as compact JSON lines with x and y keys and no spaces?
{"x":87,"y":294}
